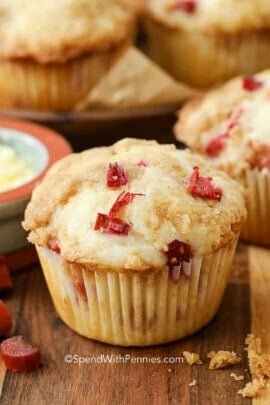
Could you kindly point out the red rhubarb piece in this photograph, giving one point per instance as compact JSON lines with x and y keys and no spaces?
{"x":142,"y":163}
{"x":178,"y":252}
{"x":199,"y":186}
{"x":109,"y":223}
{"x":5,"y":279}
{"x":18,"y":355}
{"x":53,"y":244}
{"x":216,"y":145}
{"x":5,"y":320}
{"x":116,"y":176}
{"x":262,"y":158}
{"x":188,"y":6}
{"x":251,"y":84}
{"x":81,"y":290}
{"x":106,"y":224}
{"x":122,"y":200}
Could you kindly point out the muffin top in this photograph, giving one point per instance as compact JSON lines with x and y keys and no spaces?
{"x":57,"y":30}
{"x":212,"y":15}
{"x":231,"y":124}
{"x":123,"y":206}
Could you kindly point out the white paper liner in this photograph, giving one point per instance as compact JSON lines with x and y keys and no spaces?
{"x":203,"y":60}
{"x":257,"y":227}
{"x":27,"y":84}
{"x":138,"y":309}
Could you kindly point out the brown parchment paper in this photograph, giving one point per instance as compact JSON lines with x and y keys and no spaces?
{"x":135,"y":81}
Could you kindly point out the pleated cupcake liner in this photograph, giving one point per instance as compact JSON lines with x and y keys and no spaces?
{"x":30,"y":85}
{"x":257,"y":227}
{"x":137,"y":308}
{"x":205,"y":59}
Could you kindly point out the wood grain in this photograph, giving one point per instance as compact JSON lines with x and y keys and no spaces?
{"x":259,"y":267}
{"x":58,"y":382}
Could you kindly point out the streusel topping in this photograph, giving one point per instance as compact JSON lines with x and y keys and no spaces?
{"x":57,"y":30}
{"x":135,"y":205}
{"x":230,"y":125}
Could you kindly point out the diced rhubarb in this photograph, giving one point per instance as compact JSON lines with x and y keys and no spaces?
{"x":18,"y":355}
{"x":262,"y":158}
{"x":251,"y":84}
{"x":5,"y":279}
{"x":177,"y":253}
{"x":5,"y":320}
{"x":53,"y":244}
{"x":188,"y":6}
{"x":142,"y":163}
{"x":116,"y":176}
{"x":122,"y":200}
{"x":199,"y":186}
{"x":106,"y":224}
{"x":235,"y":117}
{"x":80,"y":288}
{"x":216,"y":145}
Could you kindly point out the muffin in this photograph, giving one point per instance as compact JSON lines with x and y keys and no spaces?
{"x":53,"y":52}
{"x":204,"y":42}
{"x":230,"y":126}
{"x":136,"y":240}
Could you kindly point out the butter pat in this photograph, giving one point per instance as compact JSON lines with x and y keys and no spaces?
{"x":14,"y":171}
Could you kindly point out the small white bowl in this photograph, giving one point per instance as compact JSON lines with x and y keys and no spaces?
{"x":40,"y":147}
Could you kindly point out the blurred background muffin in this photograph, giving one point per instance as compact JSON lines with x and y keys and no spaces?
{"x":53,"y":52}
{"x":230,"y":126}
{"x":204,"y":42}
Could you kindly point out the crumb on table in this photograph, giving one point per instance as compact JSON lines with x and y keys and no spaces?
{"x":193,"y":383}
{"x":259,"y":364}
{"x":252,"y":389}
{"x":222,"y":359}
{"x":237,"y":377}
{"x":192,"y":358}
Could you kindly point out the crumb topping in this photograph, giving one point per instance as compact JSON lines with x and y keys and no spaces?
{"x":230,"y":125}
{"x":75,"y":206}
{"x":54,"y":31}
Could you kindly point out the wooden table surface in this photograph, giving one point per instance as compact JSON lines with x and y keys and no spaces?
{"x":62,"y":383}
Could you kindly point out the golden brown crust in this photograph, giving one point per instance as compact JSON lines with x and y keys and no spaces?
{"x":205,"y":119}
{"x":55,"y":31}
{"x":212,"y":17}
{"x":66,"y":204}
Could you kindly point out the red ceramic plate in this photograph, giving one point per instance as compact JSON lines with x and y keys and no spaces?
{"x":57,"y":147}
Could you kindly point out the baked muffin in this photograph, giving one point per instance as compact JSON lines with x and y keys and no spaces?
{"x":204,"y":42}
{"x":53,"y":52}
{"x":136,"y":240}
{"x":230,"y":126}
